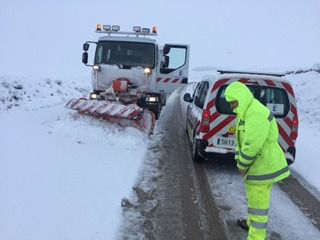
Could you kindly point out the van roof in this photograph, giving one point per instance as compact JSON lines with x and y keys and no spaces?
{"x":251,"y":75}
{"x":251,"y":72}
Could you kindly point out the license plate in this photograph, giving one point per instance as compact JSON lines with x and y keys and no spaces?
{"x":225,"y":142}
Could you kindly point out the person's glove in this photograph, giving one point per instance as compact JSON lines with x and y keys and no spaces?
{"x":242,"y":172}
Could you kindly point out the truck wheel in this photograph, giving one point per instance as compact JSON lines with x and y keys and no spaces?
{"x":158,"y":111}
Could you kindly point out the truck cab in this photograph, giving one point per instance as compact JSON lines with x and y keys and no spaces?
{"x":136,"y":59}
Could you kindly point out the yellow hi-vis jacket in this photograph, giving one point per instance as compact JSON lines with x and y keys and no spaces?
{"x":258,"y":152}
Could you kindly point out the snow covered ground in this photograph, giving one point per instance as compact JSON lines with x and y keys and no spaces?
{"x":63,"y":176}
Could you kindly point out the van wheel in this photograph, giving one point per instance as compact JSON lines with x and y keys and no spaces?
{"x":195,"y":152}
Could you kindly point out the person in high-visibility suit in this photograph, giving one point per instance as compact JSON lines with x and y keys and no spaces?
{"x":259,"y":156}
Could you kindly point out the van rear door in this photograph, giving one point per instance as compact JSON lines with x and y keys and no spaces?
{"x":277,"y":100}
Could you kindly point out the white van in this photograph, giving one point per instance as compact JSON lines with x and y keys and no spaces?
{"x":211,"y":123}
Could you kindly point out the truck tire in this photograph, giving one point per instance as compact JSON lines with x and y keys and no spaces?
{"x":156,"y":110}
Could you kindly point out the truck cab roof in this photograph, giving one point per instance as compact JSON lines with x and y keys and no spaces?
{"x":128,"y":39}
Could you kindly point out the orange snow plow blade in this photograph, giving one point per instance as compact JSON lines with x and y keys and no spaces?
{"x":129,"y":115}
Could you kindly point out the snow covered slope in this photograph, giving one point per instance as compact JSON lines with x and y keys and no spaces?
{"x":306,"y":86}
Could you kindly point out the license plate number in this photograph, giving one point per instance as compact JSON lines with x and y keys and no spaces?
{"x":226,"y":142}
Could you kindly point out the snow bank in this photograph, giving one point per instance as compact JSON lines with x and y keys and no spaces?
{"x":16,"y":92}
{"x":62,"y":175}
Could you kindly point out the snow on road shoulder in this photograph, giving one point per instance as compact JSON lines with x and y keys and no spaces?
{"x":306,"y":87}
{"x":62,"y":176}
{"x":18,"y":92}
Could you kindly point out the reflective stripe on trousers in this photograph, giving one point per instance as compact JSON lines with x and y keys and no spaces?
{"x":258,"y":196}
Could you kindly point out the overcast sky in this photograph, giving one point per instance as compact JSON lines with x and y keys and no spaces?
{"x":44,"y":38}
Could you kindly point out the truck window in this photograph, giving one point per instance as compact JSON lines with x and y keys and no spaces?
{"x":177,"y":58}
{"x":128,"y":54}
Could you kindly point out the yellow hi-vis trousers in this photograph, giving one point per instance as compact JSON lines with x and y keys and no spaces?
{"x":258,"y":196}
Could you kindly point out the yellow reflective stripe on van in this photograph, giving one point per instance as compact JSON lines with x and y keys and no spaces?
{"x":268,"y":176}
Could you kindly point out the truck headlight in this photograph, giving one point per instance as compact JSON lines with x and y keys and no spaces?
{"x":147,"y":71}
{"x":93,"y":96}
{"x":152,"y":99}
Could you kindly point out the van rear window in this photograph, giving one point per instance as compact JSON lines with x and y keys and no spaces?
{"x":276,"y":99}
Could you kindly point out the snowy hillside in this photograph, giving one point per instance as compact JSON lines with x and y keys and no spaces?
{"x":307,"y":91}
{"x":306,"y":86}
{"x":18,"y":92}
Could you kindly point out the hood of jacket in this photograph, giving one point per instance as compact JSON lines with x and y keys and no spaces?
{"x":240,"y":92}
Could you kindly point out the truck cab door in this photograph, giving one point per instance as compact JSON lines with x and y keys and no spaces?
{"x":174,"y":67}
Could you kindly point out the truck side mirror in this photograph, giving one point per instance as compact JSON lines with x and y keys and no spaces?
{"x":165,"y":62}
{"x":85,"y":57}
{"x":85,"y":47}
{"x":166,"y":50}
{"x":187,"y":98}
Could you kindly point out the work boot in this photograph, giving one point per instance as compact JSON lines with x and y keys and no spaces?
{"x":243,"y":224}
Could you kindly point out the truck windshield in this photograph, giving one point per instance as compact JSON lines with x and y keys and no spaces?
{"x":125,"y":54}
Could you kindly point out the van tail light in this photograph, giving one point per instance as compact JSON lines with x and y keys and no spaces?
{"x":294,"y":129}
{"x":205,"y":121}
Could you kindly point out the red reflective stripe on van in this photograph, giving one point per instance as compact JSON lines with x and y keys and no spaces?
{"x":166,"y":80}
{"x":158,"y":79}
{"x":219,"y":83}
{"x":293,"y":109}
{"x":288,"y":122}
{"x":270,"y":83}
{"x":211,"y":104}
{"x":214,"y":117}
{"x":218,"y":127}
{"x":288,"y":88}
{"x":175,"y":80}
{"x":244,"y":80}
{"x":285,"y":136}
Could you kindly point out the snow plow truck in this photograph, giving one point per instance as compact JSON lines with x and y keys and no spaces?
{"x":131,"y":76}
